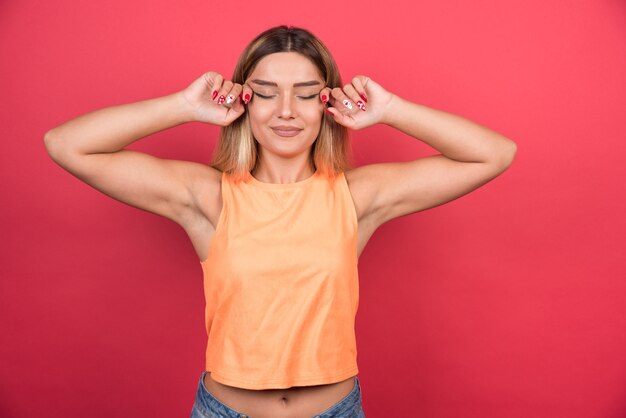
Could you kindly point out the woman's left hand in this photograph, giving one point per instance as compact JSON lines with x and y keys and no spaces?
{"x":358,"y":104}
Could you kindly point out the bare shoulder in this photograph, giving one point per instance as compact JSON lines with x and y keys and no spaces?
{"x":362,"y":190}
{"x":385,"y":191}
{"x":205,"y":207}
{"x":206,"y":190}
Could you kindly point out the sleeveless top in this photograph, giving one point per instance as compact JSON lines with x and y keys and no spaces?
{"x":281,"y":284}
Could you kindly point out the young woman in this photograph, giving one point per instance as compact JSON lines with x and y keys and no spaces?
{"x":279,"y":219}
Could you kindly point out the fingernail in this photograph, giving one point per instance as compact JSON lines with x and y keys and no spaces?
{"x":364,"y":98}
{"x":247,"y":98}
{"x":360,"y":105}
{"x":230,"y":99}
{"x":214,"y":94}
{"x":347,"y":104}
{"x":221,"y":99}
{"x":324,"y":99}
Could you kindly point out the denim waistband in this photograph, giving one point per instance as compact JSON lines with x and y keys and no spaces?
{"x":343,"y":408}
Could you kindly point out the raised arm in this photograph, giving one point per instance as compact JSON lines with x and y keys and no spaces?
{"x":91,"y":147}
{"x":471,"y":154}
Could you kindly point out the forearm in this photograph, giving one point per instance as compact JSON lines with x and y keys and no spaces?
{"x":112,"y":128}
{"x":454,"y":136}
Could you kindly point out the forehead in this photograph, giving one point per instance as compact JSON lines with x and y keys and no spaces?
{"x":285,"y":69}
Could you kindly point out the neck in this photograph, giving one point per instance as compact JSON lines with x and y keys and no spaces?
{"x":277,"y":174}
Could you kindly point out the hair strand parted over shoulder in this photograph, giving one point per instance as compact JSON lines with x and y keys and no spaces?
{"x":237,"y":150}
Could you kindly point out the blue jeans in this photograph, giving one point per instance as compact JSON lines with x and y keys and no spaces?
{"x":207,"y":406}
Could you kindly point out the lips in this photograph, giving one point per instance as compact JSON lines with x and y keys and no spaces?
{"x":286,"y":130}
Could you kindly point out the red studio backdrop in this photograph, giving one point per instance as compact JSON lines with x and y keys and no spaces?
{"x":507,"y":302}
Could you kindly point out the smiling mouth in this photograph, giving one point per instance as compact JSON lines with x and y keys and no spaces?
{"x":286,"y":133}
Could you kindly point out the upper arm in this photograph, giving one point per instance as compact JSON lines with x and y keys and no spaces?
{"x":161,"y":186}
{"x":402,"y":188}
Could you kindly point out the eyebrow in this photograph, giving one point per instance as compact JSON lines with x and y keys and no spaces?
{"x":271,"y":83}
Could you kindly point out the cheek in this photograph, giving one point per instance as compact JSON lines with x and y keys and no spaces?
{"x":312,"y":114}
{"x":312,"y":107}
{"x":259,"y":113}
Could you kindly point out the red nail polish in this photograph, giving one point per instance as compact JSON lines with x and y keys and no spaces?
{"x":214,"y":94}
{"x":324,"y":99}
{"x":331,"y":113}
{"x":247,"y":98}
{"x":364,"y":98}
{"x":221,"y":99}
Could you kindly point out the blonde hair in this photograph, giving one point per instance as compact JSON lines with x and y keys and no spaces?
{"x":237,"y":149}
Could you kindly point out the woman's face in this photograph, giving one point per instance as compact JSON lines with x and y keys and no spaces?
{"x":286,"y":88}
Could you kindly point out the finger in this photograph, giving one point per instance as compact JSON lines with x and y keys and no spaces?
{"x":354,"y":96}
{"x":217,"y":84}
{"x":236,"y":110}
{"x":246,"y":93}
{"x":226,"y":86}
{"x":340,"y":118}
{"x":325,"y":94}
{"x":233,"y":95}
{"x":344,"y":102}
{"x":359,"y":85}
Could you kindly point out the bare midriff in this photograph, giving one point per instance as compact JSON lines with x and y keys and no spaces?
{"x":297,"y":401}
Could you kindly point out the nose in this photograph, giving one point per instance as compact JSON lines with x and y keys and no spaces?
{"x":287,"y":106}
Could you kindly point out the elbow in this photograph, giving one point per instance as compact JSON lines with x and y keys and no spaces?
{"x":54,"y":147}
{"x":512,"y":151}
{"x":504,"y":155}
{"x":46,"y":139}
{"x":508,"y":154}
{"x":50,"y":144}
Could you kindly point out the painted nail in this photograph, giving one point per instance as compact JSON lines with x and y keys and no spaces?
{"x":347,"y":104}
{"x":247,"y":98}
{"x":364,"y":97}
{"x":230,"y":99}
{"x":221,"y":99}
{"x":360,"y":105}
{"x":214,"y":94}
{"x":324,"y":99}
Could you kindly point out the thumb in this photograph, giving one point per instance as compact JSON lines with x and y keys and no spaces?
{"x":336,"y":115}
{"x":340,"y":118}
{"x":235,"y":111}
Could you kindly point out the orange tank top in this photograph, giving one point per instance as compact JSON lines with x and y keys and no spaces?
{"x":281,"y":284}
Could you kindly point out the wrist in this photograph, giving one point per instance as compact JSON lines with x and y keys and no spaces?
{"x":184,"y":110}
{"x":390,"y":111}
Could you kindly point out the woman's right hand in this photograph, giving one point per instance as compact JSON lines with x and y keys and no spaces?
{"x":215,"y":100}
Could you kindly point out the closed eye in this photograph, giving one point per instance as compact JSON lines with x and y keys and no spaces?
{"x":301,"y":97}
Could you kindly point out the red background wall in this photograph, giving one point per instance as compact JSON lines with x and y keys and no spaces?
{"x":508,"y":302}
